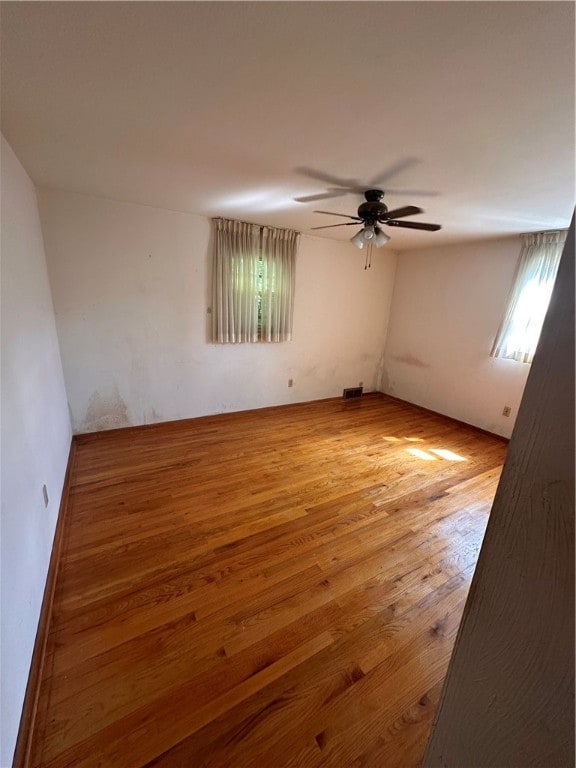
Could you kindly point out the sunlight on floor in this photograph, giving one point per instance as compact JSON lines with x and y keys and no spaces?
{"x":443,"y":453}
{"x":430,"y":454}
{"x":449,"y":455}
{"x":421,"y":454}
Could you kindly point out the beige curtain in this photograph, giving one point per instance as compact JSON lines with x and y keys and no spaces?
{"x":253,"y":282}
{"x":528,"y":301}
{"x":279,"y":248}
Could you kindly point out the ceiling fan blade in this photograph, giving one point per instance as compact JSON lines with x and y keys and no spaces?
{"x":399,"y":213}
{"x":344,"y":215}
{"x":414,"y":225}
{"x":326,"y":177}
{"x":321,"y":196}
{"x":345,"y":224}
{"x":395,"y":169}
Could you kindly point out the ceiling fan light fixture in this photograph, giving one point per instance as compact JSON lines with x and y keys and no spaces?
{"x":358,"y":239}
{"x":380,"y":237}
{"x":370,"y":234}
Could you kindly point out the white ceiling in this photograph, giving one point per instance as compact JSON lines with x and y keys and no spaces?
{"x":211,"y":107}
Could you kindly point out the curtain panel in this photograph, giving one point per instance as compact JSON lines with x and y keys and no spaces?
{"x":528,"y":301}
{"x":254,"y":271}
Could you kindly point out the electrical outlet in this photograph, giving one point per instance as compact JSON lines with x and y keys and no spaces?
{"x":506,"y":410}
{"x":290,"y":382}
{"x":45,"y":494}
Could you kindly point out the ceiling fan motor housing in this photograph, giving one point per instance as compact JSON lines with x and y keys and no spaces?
{"x":372,"y":211}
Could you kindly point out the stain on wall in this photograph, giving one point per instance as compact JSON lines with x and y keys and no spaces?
{"x":381,"y":375}
{"x":106,"y":411}
{"x":151,"y":416}
{"x":410,"y":360}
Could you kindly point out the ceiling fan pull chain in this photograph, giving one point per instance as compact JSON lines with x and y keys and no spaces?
{"x":368,"y":260}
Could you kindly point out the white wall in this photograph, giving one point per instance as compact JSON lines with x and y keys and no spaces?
{"x":36,"y":435}
{"x":131,"y":288}
{"x":447,"y":306}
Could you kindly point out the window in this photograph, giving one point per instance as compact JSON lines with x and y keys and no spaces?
{"x":528,"y":302}
{"x":253,"y":282}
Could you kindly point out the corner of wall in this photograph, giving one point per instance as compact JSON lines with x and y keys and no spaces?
{"x":35,"y":435}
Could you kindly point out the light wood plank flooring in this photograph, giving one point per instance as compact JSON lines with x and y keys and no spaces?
{"x":270,"y":588}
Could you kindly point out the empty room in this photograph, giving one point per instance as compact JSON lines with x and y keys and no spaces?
{"x":287,"y":394}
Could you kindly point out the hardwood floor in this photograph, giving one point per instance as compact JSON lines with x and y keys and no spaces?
{"x":269,"y":588}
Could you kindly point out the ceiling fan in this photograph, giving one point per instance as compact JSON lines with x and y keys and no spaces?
{"x":373,"y":212}
{"x":339,"y":186}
